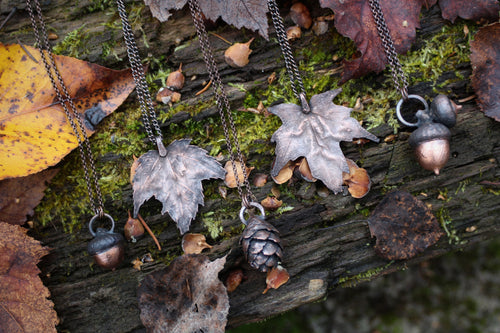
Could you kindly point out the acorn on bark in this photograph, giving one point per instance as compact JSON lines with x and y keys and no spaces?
{"x":261,"y":244}
{"x":107,"y":248}
{"x":431,"y":143}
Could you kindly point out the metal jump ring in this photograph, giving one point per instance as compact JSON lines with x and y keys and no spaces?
{"x":254,"y":204}
{"x":398,"y":109}
{"x":95,"y":217}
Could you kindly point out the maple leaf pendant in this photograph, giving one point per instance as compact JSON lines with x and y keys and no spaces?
{"x":316,"y":136}
{"x":175,"y":180}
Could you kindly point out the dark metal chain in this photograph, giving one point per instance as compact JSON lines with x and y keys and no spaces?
{"x":398,"y":76}
{"x":290,"y":64}
{"x":146,"y":103}
{"x":64,"y":98}
{"x":222,"y":104}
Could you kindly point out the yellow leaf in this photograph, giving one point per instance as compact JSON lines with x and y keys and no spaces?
{"x":34,"y":130}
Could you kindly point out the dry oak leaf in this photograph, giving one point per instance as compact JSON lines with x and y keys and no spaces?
{"x":316,"y":136}
{"x":403,"y":225}
{"x":250,"y":14}
{"x":175,"y":180}
{"x":24,"y":306}
{"x":470,"y":9}
{"x":34,"y":131}
{"x":354,"y":20}
{"x":19,"y":196}
{"x":187,"y":296}
{"x":485,"y":59}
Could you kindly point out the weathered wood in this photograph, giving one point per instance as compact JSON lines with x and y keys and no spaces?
{"x":327,"y":241}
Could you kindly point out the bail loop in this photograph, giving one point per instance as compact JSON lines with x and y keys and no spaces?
{"x":251,"y":204}
{"x":400,"y":116}
{"x":303,"y":101}
{"x":97,"y":216}
{"x":162,"y":151}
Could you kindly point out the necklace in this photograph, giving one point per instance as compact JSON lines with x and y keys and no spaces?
{"x":107,"y":247}
{"x":310,"y":134}
{"x":172,"y":174}
{"x":431,"y":141}
{"x":260,"y":240}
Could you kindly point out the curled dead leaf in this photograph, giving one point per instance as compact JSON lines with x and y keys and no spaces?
{"x":260,"y":179}
{"x":194,"y":243}
{"x":305,"y":171}
{"x":276,"y":277}
{"x":285,"y":173}
{"x":271,"y":203}
{"x":237,"y":54}
{"x":231,"y":179}
{"x":293,"y":32}
{"x":234,"y":279}
{"x":300,"y":15}
{"x":176,"y":79}
{"x":357,"y":180}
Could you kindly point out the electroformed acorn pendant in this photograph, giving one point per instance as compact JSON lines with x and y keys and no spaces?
{"x":261,"y":242}
{"x":431,"y":141}
{"x":107,"y":247}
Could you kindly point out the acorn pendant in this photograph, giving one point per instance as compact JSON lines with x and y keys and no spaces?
{"x":431,"y":141}
{"x":107,"y":247}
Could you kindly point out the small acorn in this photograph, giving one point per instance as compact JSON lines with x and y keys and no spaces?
{"x":176,"y":79}
{"x":300,"y":15}
{"x":431,"y":142}
{"x":133,"y":229}
{"x":237,"y":54}
{"x":444,"y":110}
{"x":107,"y":248}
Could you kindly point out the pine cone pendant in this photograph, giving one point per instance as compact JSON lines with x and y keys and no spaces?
{"x":261,"y":244}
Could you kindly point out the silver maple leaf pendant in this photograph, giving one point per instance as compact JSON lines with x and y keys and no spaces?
{"x":174,"y":178}
{"x":316,"y":136}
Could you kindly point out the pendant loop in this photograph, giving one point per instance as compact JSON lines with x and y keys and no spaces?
{"x":252,"y":204}
{"x":303,"y":101}
{"x":400,"y":103}
{"x":162,"y":151}
{"x":95,"y":217}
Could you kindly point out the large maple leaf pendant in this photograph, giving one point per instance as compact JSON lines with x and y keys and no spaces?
{"x":175,"y":180}
{"x":316,"y":136}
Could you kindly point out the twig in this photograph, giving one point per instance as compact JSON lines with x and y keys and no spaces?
{"x":149,"y":231}
{"x":466,"y":99}
{"x":205,"y":88}
{"x":8,"y":17}
{"x":220,"y":37}
{"x":27,"y":52}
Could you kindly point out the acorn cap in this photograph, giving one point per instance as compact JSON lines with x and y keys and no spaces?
{"x":103,"y":241}
{"x":444,"y":110}
{"x":429,"y":131}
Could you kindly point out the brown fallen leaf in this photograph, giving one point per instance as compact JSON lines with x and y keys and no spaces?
{"x":276,"y":277}
{"x":194,"y":243}
{"x":470,"y":9}
{"x":240,"y":13}
{"x":231,"y":180}
{"x":187,"y":296}
{"x":19,"y":196}
{"x":357,"y":180}
{"x":34,"y":131}
{"x":234,"y":279}
{"x":354,"y":20}
{"x":24,"y":306}
{"x":403,"y":225}
{"x":485,"y":59}
{"x":271,"y":203}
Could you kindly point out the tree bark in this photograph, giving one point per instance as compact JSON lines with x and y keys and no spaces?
{"x":327,"y":241}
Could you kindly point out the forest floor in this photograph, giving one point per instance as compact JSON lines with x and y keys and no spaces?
{"x":458,"y":292}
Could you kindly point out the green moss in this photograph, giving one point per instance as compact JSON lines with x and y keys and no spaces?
{"x":75,"y":44}
{"x":443,"y":217}
{"x":351,"y":281}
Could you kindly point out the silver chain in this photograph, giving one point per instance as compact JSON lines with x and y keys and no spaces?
{"x":398,"y":75}
{"x":146,"y":103}
{"x":286,"y":50}
{"x":65,"y":99}
{"x":222,"y":103}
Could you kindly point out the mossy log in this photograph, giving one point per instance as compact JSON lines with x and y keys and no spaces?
{"x":326,"y":239}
